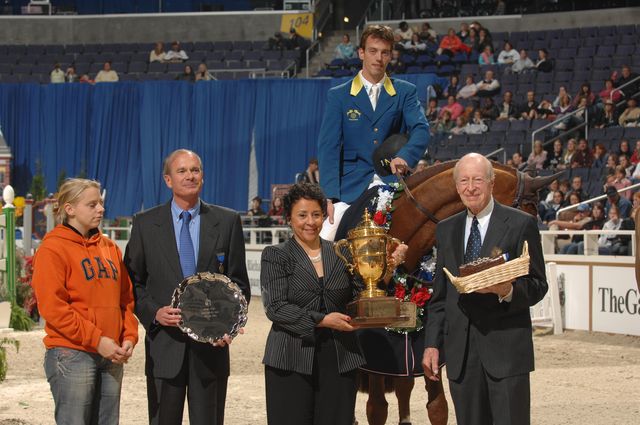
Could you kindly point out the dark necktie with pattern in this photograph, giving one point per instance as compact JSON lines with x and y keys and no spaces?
{"x":474,"y":243}
{"x":187,"y":254}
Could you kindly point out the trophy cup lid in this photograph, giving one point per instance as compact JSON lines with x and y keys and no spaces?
{"x":366,"y":228}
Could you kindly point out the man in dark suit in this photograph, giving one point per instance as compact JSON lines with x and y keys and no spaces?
{"x":486,"y":335}
{"x":168,"y":243}
{"x":359,"y":116}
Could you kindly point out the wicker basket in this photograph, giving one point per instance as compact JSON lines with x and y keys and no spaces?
{"x":494,"y":275}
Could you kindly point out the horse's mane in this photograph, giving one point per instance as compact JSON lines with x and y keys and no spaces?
{"x":416,"y":179}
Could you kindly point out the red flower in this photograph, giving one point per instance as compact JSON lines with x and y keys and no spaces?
{"x":401,"y":291}
{"x":420,"y":296}
{"x":379,"y":218}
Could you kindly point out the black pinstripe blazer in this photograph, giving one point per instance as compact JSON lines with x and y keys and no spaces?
{"x":292,"y":297}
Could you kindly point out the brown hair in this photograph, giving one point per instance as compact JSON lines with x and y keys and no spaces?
{"x":69,"y":193}
{"x":382,"y":32}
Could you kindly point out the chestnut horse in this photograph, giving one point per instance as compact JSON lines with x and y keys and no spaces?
{"x":414,"y":222}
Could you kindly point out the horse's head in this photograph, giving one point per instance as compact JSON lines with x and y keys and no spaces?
{"x":527,"y":195}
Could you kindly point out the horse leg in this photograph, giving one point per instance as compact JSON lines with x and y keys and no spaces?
{"x":437,"y":407}
{"x":377,"y":406}
{"x":403,"y":387}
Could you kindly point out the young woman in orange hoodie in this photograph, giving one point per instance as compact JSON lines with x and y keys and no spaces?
{"x":85,"y":296}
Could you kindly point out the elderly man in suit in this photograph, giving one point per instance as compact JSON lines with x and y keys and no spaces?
{"x":360,"y":114}
{"x":486,"y":335}
{"x":170,"y":242}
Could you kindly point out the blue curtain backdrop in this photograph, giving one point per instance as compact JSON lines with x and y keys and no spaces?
{"x":119,"y":134}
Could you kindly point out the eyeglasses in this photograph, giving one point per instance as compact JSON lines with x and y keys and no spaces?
{"x":476,"y":181}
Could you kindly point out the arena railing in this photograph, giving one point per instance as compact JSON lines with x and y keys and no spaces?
{"x":594,"y":199}
{"x":590,"y":238}
{"x":372,"y":8}
{"x":619,"y":89}
{"x":496,"y":152}
{"x":584,"y":124}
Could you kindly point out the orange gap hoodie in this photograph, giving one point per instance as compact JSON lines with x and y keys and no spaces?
{"x":83,"y":290}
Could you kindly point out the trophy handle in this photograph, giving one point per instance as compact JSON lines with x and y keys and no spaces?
{"x":337,"y":248}
{"x":392,"y":244}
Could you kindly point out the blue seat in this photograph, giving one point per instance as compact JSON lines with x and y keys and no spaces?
{"x":242,"y":45}
{"x":625,"y":49}
{"x":502,"y":125}
{"x":588,"y":32}
{"x":606,"y":30}
{"x":222,"y":45}
{"x":236,"y":55}
{"x":414,"y":69}
{"x":446,"y":70}
{"x":424,"y":60}
{"x":566,"y":53}
{"x":586,"y":52}
{"x":604,"y":52}
{"x":626,"y":30}
{"x":430,"y":69}
{"x":517,"y":125}
{"x":582,"y":63}
{"x":325,"y":73}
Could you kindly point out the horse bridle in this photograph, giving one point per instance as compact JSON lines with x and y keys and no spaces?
{"x":424,"y":210}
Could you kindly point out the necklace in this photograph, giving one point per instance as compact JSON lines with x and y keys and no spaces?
{"x":316,"y":259}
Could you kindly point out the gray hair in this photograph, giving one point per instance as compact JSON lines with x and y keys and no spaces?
{"x":474,"y":156}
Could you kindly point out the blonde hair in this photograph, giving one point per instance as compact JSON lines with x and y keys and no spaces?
{"x":69,"y":193}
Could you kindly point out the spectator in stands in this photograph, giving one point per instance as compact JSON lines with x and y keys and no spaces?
{"x":460,"y":127}
{"x":57,"y":75}
{"x":626,"y":77}
{"x":203,"y":73}
{"x":567,"y":159}
{"x":608,"y":93}
{"x":486,"y":56}
{"x":86,"y":79}
{"x":296,"y":41}
{"x":463,"y":34}
{"x":548,"y":210}
{"x":477,"y":124}
{"x":158,"y":53}
{"x":564,"y":109}
{"x":555,"y":160}
{"x":187,"y":74}
{"x":451,"y":44}
{"x":631,"y":116}
{"x":471,"y":41}
{"x":277,"y":208}
{"x":396,"y":65}
{"x":596,"y":222}
{"x":624,"y":161}
{"x":453,"y":86}
{"x":507,"y":109}
{"x":508,"y":55}
{"x":501,"y":8}
{"x":612,"y":244}
{"x":583,"y":157}
{"x":176,"y":54}
{"x":636,"y":201}
{"x":517,"y":161}
{"x":468,"y":90}
{"x":624,"y":148}
{"x":404,"y":31}
{"x":107,"y":75}
{"x":599,"y":156}
{"x":529,"y":110}
{"x":612,"y":163}
{"x":523,"y":63}
{"x":489,"y":109}
{"x":606,"y":117}
{"x":70,"y":76}
{"x":620,"y":181}
{"x":584,"y":93}
{"x":577,"y":222}
{"x":428,"y":34}
{"x":635,"y":155}
{"x":432,"y":112}
{"x":546,"y":193}
{"x":277,"y":42}
{"x":445,"y":123}
{"x":545,"y":111}
{"x":562,"y":92}
{"x":489,"y":86}
{"x":256,"y":207}
{"x":312,"y":173}
{"x":345,"y":50}
{"x":453,"y":107}
{"x":576,"y":188}
{"x":537,"y":157}
{"x":544,"y":64}
{"x":484,"y":40}
{"x":414,"y":46}
{"x":614,"y":198}
{"x":421,"y":166}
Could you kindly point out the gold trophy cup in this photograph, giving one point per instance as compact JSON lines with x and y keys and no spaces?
{"x":369,"y":246}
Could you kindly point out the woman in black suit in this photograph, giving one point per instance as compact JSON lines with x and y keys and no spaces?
{"x":311,"y":354}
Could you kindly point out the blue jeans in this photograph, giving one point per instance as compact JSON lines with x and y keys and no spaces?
{"x":85,"y":386}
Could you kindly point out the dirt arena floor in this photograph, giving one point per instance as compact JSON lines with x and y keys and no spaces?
{"x":580,"y":378}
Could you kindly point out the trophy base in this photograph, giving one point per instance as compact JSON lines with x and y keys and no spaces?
{"x":377,"y":312}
